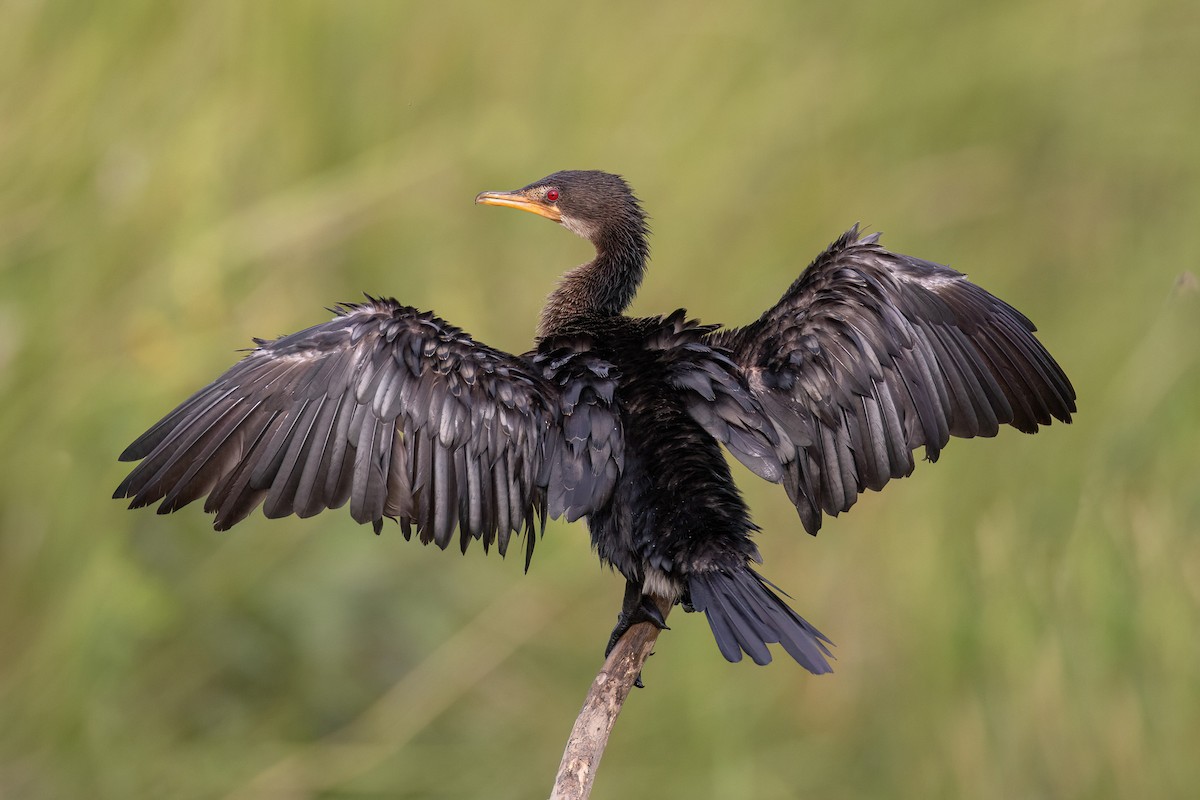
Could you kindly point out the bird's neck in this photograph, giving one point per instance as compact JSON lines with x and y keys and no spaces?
{"x":603,"y":287}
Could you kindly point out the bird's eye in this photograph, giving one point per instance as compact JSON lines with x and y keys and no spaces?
{"x":552,"y":195}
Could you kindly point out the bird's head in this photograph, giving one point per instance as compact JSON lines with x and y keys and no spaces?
{"x":589,"y":203}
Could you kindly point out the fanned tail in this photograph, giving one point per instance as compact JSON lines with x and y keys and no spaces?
{"x":746,"y":616}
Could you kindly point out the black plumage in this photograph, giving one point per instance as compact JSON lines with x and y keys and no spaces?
{"x":868,"y":356}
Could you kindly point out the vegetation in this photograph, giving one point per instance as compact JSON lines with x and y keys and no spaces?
{"x":1019,"y":620}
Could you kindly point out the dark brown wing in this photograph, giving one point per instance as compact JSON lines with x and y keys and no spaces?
{"x":389,"y":408}
{"x":871,"y":354}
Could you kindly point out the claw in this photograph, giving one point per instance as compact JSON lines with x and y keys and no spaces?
{"x":638,"y":680}
{"x":636,"y":608}
{"x":648,"y":612}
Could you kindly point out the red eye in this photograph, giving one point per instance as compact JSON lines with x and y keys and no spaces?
{"x":552,"y":195}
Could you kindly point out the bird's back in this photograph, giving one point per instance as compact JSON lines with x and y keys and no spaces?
{"x":675,"y":506}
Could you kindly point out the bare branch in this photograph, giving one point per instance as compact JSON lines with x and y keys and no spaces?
{"x":604,"y":700}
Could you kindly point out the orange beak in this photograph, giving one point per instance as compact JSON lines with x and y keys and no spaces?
{"x":519,"y":200}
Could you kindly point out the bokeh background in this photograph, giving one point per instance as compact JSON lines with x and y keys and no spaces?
{"x":1020,"y":620}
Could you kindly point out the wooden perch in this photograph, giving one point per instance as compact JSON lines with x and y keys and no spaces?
{"x":604,"y":700}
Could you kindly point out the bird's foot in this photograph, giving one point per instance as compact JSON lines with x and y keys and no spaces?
{"x":635,"y":609}
{"x":646,"y":610}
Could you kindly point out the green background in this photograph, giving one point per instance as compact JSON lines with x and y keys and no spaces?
{"x":1020,"y":620}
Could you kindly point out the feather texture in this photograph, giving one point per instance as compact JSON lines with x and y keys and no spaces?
{"x":398,"y":413}
{"x":870,"y":355}
{"x":867,"y":357}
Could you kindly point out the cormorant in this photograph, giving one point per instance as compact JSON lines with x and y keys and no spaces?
{"x":868,"y":355}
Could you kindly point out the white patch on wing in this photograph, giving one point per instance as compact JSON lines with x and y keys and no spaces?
{"x":933,"y":280}
{"x":297,"y":355}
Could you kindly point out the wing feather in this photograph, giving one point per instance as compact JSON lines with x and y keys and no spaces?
{"x":281,"y":498}
{"x":398,"y":413}
{"x":870,"y":355}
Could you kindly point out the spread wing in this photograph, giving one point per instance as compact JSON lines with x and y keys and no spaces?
{"x":872,"y":354}
{"x":396,"y":412}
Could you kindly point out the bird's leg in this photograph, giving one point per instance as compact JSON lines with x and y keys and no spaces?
{"x":635,"y":608}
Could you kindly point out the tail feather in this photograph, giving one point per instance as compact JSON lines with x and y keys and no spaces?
{"x":746,"y":616}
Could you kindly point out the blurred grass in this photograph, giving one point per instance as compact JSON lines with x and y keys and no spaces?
{"x":1018,"y":621}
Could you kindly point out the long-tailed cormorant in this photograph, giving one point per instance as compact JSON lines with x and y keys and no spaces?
{"x":867,"y":356}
